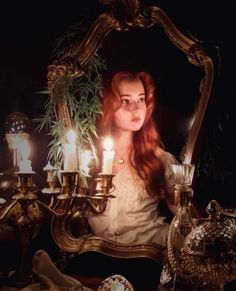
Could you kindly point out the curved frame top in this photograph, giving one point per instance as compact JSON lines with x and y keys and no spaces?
{"x":124,"y":15}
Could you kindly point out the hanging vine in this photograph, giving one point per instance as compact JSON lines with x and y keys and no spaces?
{"x":82,"y":96}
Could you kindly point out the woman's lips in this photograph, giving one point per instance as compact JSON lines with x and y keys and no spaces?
{"x":136,"y":119}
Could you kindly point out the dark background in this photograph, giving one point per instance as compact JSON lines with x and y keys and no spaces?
{"x":28,"y":37}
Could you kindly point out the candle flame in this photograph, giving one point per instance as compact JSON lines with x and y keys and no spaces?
{"x":108,"y":144}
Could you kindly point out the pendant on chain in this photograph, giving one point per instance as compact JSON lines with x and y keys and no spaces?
{"x":121,"y":161}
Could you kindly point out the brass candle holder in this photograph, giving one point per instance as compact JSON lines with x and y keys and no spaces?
{"x":72,"y":229}
{"x":105,"y":182}
{"x":98,"y":202}
{"x":24,"y":213}
{"x":74,"y":193}
{"x":53,"y":189}
{"x":65,"y":199}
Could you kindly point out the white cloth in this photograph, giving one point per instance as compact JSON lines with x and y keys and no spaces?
{"x":53,"y":280}
{"x":132,"y":216}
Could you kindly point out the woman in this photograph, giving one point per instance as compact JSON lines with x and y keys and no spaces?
{"x":141,"y":167}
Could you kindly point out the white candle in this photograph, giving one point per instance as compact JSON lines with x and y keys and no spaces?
{"x":85,"y":158}
{"x":25,"y":163}
{"x":108,"y":157}
{"x":14,"y":141}
{"x":69,"y":151}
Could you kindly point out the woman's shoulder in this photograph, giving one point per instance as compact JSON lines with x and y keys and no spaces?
{"x":166,"y":157}
{"x":168,"y":160}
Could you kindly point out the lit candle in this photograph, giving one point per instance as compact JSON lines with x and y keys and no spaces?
{"x":85,"y":158}
{"x":70,"y":156}
{"x":108,"y":157}
{"x":25,"y":163}
{"x":14,"y":141}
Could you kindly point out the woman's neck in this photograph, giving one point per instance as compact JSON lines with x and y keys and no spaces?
{"x":123,"y":147}
{"x":123,"y":140}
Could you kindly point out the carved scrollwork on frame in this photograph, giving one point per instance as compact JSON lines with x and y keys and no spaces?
{"x":63,"y":236}
{"x":85,"y":241}
{"x":197,"y":56}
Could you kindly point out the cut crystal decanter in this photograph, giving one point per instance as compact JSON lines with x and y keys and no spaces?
{"x":209,"y":251}
{"x":181,"y":225}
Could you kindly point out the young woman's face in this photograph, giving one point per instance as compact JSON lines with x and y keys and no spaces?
{"x":131,"y":114}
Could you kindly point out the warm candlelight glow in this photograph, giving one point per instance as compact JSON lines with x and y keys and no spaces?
{"x":25,"y":163}
{"x":108,"y":144}
{"x":108,"y":156}
{"x":14,"y":141}
{"x":70,"y":156}
{"x":85,"y":158}
{"x":71,"y":136}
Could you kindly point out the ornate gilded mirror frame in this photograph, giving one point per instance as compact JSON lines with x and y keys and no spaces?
{"x":125,"y":15}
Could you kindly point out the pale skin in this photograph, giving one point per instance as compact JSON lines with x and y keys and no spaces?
{"x":128,"y":119}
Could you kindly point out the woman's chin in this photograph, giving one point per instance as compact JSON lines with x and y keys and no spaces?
{"x":136,"y":127}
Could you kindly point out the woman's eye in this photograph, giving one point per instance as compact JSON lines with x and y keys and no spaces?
{"x":142,"y":100}
{"x":124,"y":101}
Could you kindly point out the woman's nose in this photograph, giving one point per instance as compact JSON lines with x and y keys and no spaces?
{"x":134,"y":106}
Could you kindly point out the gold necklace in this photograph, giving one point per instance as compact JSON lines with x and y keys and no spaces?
{"x":121,"y":158}
{"x":121,"y":161}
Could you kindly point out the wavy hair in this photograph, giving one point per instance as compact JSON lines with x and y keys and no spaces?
{"x":148,"y":167}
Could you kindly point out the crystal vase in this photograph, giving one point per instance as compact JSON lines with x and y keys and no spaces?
{"x":181,"y":225}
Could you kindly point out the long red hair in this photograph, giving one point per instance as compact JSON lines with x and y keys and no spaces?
{"x":146,"y":140}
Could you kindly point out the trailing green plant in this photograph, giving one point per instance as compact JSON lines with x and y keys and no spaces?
{"x":82,"y":96}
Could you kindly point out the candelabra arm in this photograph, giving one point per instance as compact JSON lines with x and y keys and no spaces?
{"x":72,"y":229}
{"x":100,"y":208}
{"x":51,"y":203}
{"x":51,"y":211}
{"x":8,"y":209}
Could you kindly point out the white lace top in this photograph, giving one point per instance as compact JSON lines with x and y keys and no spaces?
{"x":132,"y":216}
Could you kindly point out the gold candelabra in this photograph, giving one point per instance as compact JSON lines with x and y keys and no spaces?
{"x":68,"y":204}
